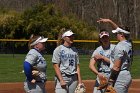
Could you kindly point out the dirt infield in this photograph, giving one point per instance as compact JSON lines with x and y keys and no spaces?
{"x":18,"y":87}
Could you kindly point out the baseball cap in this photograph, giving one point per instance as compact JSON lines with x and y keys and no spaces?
{"x":68,"y":33}
{"x":40,"y":39}
{"x":120,"y":30}
{"x":103,"y":33}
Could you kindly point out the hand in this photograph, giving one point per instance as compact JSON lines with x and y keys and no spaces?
{"x":35,"y":72}
{"x":80,"y":88}
{"x":63,"y":84}
{"x":108,"y":21}
{"x":81,"y":85}
{"x":103,"y":20}
{"x":33,"y":81}
{"x":103,"y":81}
{"x":100,"y":75}
{"x":110,"y":89}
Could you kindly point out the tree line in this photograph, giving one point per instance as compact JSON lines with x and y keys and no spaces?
{"x":21,"y":18}
{"x":46,"y":20}
{"x":123,"y":12}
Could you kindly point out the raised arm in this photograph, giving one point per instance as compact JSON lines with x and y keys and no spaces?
{"x":114,"y":25}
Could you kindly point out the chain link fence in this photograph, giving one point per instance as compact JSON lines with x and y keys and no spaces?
{"x":84,"y":47}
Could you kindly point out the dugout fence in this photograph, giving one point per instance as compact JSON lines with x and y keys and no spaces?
{"x":84,"y":47}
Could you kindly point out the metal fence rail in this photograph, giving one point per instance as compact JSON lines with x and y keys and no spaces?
{"x":25,"y":40}
{"x":13,"y":46}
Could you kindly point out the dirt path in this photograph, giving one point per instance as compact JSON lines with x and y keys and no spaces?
{"x":18,"y":87}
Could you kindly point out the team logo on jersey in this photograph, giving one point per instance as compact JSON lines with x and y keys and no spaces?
{"x":41,"y":60}
{"x":106,"y":54}
{"x":67,"y":56}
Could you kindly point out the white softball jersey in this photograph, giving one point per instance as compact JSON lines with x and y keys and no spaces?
{"x":36,"y":59}
{"x":123,"y":51}
{"x":103,"y":66}
{"x":67,"y":58}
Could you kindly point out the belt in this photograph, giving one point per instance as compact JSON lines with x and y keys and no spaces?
{"x":70,"y":75}
{"x":124,"y":69}
{"x":105,"y":71}
{"x":41,"y":81}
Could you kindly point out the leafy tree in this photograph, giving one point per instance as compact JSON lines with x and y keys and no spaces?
{"x":44,"y":20}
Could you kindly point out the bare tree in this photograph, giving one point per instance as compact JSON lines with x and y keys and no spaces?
{"x":124,"y":12}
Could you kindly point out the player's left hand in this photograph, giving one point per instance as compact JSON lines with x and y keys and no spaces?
{"x":63,"y":84}
{"x":110,"y":89}
{"x":35,"y":72}
{"x":33,"y":81}
{"x":80,"y":88}
{"x":103,"y":82}
{"x":103,"y":20}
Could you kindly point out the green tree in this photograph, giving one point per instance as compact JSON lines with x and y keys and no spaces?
{"x":46,"y":20}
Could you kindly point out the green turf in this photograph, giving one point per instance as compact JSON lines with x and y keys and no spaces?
{"x":11,"y":67}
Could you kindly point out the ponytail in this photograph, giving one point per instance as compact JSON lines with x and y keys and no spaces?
{"x":31,"y":40}
{"x":130,"y":40}
{"x":60,"y":39}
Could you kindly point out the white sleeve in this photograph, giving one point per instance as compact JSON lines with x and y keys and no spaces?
{"x":31,"y":58}
{"x":95,"y":52}
{"x":118,"y":52}
{"x":56,"y":55}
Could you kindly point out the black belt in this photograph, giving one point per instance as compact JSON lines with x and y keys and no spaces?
{"x":70,"y":74}
{"x":41,"y":81}
{"x":124,"y":69}
{"x":105,"y":71}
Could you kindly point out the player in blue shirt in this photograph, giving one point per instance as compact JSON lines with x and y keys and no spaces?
{"x":35,"y":79}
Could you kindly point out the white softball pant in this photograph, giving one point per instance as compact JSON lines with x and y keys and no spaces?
{"x":71,"y":84}
{"x":123,"y":82}
{"x":38,"y":87}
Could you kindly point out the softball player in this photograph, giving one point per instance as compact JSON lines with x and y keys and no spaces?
{"x":66,"y":65}
{"x":35,"y":81}
{"x":101,"y":56}
{"x":122,"y":57}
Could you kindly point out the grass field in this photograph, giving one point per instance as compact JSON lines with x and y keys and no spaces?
{"x":11,"y":67}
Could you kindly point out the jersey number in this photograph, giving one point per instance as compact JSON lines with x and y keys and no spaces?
{"x":71,"y":62}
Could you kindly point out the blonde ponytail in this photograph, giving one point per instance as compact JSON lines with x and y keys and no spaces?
{"x":60,"y":39}
{"x":31,"y":40}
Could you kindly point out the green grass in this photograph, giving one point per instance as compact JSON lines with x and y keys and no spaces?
{"x":135,"y":69}
{"x":11,"y":67}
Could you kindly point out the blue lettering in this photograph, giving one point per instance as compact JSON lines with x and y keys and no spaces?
{"x":66,"y":56}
